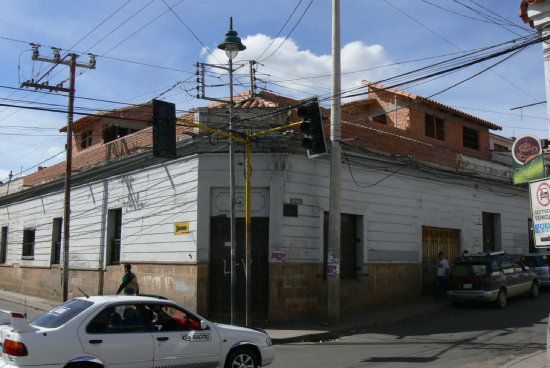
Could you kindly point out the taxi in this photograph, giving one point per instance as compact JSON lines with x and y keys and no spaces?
{"x":128,"y":331}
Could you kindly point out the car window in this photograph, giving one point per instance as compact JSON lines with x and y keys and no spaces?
{"x":532,"y":261}
{"x":122,"y":318}
{"x":62,"y":314}
{"x":169,"y":318}
{"x":518,"y":267}
{"x":508,"y":268}
{"x":469,"y":270}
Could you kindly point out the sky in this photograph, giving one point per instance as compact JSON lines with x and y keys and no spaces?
{"x":148,"y":49}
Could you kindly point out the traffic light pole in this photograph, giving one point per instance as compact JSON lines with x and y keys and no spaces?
{"x":248,"y":236}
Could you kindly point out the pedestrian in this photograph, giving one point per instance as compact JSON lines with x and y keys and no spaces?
{"x":442,"y":274}
{"x":129,"y":282}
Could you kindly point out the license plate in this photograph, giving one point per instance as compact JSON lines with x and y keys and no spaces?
{"x":467,"y":286}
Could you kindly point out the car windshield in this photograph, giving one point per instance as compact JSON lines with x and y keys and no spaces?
{"x":469,"y":269}
{"x":60,"y":315}
{"x":535,"y":261}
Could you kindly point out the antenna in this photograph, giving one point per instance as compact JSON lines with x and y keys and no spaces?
{"x":86,"y":295}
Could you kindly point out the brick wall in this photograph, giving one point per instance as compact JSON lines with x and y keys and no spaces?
{"x":298,"y":291}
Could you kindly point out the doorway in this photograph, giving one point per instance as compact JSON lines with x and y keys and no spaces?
{"x":220,"y":269}
{"x":435,"y":240}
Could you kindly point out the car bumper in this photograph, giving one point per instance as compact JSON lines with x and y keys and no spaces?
{"x":473,"y":295}
{"x":268,"y":355}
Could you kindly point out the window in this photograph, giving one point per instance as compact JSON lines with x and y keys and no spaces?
{"x":470,"y":138}
{"x":56,"y":241}
{"x":113,"y":132}
{"x":28,"y":243}
{"x":114,"y":230}
{"x":3,"y":244}
{"x":498,"y":147}
{"x":435,"y":127}
{"x":350,"y":244}
{"x":382,"y":119}
{"x":86,"y":139}
{"x":62,"y":314}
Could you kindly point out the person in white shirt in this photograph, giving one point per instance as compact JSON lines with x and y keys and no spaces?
{"x":442,"y":274}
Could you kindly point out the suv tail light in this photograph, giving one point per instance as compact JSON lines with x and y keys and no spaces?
{"x":484,"y":280}
{"x":14,"y":348}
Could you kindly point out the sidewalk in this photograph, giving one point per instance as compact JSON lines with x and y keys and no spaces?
{"x":311,"y":331}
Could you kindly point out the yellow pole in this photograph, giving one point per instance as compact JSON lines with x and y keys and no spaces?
{"x":248,"y":235}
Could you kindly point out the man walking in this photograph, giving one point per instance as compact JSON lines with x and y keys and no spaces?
{"x":442,"y":274}
{"x":129,"y":282}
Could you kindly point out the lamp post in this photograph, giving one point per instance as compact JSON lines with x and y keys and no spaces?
{"x":231,"y":44}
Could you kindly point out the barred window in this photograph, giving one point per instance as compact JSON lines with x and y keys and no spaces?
{"x":470,"y":138}
{"x":435,"y":127}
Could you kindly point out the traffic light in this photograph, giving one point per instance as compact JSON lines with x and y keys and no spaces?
{"x":312,"y":127}
{"x":164,"y":129}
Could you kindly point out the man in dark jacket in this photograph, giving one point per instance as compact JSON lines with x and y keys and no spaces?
{"x":129,"y":282}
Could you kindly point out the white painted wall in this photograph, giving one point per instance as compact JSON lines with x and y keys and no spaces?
{"x":394,"y":207}
{"x":152,"y":201}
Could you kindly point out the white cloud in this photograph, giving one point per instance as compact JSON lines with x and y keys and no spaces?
{"x":301,"y":71}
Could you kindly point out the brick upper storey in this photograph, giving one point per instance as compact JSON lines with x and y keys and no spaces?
{"x":419,"y":128}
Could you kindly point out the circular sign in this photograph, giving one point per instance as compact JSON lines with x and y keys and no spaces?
{"x":526,"y":148}
{"x":543,"y":194}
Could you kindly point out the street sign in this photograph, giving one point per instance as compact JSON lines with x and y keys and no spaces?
{"x":539,"y":193}
{"x":181,"y":227}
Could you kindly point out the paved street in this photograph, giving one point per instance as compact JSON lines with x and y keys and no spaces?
{"x":467,"y":336}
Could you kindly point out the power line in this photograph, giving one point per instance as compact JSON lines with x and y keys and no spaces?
{"x":278,"y":33}
{"x":289,"y":33}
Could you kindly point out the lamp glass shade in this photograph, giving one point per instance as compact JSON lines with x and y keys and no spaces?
{"x":231,"y":50}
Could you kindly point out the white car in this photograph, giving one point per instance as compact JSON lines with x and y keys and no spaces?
{"x":128,"y":331}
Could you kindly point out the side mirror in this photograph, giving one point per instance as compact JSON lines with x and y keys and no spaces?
{"x":204,"y":325}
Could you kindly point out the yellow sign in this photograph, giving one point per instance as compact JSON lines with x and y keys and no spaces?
{"x":181,"y":227}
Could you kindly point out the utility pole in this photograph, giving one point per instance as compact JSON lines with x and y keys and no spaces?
{"x":334,"y":223}
{"x":69,"y":146}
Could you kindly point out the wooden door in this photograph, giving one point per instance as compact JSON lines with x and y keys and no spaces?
{"x":435,"y":240}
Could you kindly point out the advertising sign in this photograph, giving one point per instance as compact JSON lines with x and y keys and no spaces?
{"x":539,"y":192}
{"x":528,"y":160}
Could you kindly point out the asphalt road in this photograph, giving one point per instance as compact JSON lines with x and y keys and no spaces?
{"x":465,"y":336}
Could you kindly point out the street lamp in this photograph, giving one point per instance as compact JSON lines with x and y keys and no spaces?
{"x":232,"y":45}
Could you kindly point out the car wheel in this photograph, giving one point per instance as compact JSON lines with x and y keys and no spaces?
{"x":501,"y":299}
{"x":242,"y":358}
{"x":534,"y":291}
{"x":83,"y":365}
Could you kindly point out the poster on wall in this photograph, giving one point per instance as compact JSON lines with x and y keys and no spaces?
{"x":539,"y":193}
{"x":528,"y":159}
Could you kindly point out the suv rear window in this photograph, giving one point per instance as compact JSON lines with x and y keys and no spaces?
{"x":469,"y":270}
{"x":62,"y":314}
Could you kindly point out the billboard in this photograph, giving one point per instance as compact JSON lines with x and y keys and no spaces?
{"x":528,"y":161}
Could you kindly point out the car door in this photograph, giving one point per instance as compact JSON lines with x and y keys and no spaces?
{"x":179,"y":340}
{"x":119,"y":337}
{"x":525,"y":277}
{"x":511,"y":278}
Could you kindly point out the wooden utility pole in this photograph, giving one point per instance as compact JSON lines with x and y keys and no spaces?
{"x":69,"y":146}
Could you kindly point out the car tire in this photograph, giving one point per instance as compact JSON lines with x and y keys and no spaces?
{"x":534,"y":291}
{"x":242,"y":358}
{"x":83,"y":365}
{"x":501,"y":299}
